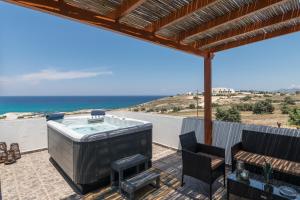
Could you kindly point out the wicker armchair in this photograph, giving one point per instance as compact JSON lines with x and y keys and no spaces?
{"x":3,"y":152}
{"x":15,"y":148}
{"x":203,"y":162}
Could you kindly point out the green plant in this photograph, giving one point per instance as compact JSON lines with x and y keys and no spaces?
{"x":230,"y":115}
{"x":285,"y":109}
{"x":244,"y":107}
{"x":163,"y":110}
{"x":267,"y":172}
{"x":215,"y":105}
{"x":176,"y":109}
{"x":294,"y":117}
{"x":150,"y":110}
{"x":267,"y":95}
{"x":192,"y":106}
{"x":246,"y":98}
{"x":136,"y":110}
{"x":263,"y":107}
{"x":289,"y":100}
{"x":143,"y":109}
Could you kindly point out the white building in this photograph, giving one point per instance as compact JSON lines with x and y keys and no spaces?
{"x":222,"y":91}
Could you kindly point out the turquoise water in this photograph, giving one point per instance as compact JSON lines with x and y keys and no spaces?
{"x":46,"y":104}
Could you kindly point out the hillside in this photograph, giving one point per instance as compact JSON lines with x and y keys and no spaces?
{"x":185,"y":105}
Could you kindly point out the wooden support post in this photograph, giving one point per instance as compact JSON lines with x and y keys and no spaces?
{"x":207,"y":98}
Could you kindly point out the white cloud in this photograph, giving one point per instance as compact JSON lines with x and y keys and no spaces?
{"x":51,"y":75}
{"x":294,"y":86}
{"x":61,"y":75}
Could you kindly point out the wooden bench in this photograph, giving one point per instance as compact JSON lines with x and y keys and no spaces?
{"x":140,"y":180}
{"x":123,"y":164}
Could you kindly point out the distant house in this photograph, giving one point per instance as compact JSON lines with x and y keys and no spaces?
{"x":222,"y":91}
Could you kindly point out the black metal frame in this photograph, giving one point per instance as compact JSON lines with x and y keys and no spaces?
{"x":199,"y":166}
{"x":254,"y":189}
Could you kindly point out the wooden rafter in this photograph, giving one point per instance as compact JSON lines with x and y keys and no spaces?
{"x":248,"y":29}
{"x":244,"y":11}
{"x":126,"y":7}
{"x":258,"y":38}
{"x":179,"y":14}
{"x":95,"y":19}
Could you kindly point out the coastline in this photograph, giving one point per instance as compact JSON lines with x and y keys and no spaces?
{"x":188,"y":106}
{"x":27,"y":107}
{"x":31,"y":115}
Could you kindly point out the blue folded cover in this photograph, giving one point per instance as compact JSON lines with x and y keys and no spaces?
{"x":55,"y":116}
{"x":97,"y":112}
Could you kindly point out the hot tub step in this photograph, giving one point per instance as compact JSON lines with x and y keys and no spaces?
{"x":123,"y":164}
{"x":139,"y":181}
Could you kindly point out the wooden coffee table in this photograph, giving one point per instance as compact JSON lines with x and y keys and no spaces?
{"x":254,"y":189}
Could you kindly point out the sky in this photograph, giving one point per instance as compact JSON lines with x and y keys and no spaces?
{"x":43,"y":55}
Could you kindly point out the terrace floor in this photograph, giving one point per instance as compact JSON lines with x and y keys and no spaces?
{"x":34,"y":177}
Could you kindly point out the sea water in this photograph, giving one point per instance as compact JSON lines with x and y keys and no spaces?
{"x":45,"y":104}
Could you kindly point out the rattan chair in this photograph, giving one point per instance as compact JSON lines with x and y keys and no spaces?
{"x":200,"y":161}
{"x":3,"y":157}
{"x":10,"y":157}
{"x":3,"y":152}
{"x":15,"y":148}
{"x":3,"y":147}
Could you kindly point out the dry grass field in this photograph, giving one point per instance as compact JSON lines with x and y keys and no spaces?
{"x":184,"y":105}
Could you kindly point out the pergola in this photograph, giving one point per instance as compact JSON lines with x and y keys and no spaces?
{"x":199,"y":27}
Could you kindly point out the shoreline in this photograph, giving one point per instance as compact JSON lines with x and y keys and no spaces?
{"x":31,"y":115}
{"x":77,"y":111}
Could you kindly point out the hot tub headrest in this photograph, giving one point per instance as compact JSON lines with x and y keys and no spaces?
{"x":55,"y":116}
{"x":97,"y":112}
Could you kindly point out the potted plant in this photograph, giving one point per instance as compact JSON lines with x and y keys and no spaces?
{"x":267,"y":173}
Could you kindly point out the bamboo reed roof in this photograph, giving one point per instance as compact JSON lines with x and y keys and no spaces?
{"x":199,"y":27}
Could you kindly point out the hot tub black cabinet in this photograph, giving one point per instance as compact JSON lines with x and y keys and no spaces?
{"x":87,"y":163}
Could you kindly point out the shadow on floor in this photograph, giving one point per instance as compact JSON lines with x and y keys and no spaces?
{"x":169,"y":166}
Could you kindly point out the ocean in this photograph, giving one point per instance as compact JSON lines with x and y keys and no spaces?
{"x":45,"y":104}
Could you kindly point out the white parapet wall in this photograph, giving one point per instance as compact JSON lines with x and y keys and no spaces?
{"x":166,"y":129}
{"x":31,"y":134}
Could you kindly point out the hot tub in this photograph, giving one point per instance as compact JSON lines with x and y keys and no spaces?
{"x":84,"y":149}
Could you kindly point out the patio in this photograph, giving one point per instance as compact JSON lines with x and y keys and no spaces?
{"x":34,"y":177}
{"x":219,"y":25}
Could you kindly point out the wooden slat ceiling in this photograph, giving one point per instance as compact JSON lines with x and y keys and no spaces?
{"x":198,"y":27}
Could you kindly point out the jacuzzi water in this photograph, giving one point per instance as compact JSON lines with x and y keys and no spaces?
{"x":80,"y":129}
{"x":82,"y":126}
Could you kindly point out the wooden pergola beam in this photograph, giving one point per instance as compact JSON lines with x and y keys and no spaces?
{"x":179,"y":14}
{"x":258,"y":38}
{"x":91,"y":18}
{"x":244,"y":11}
{"x":125,"y":8}
{"x":248,"y":29}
